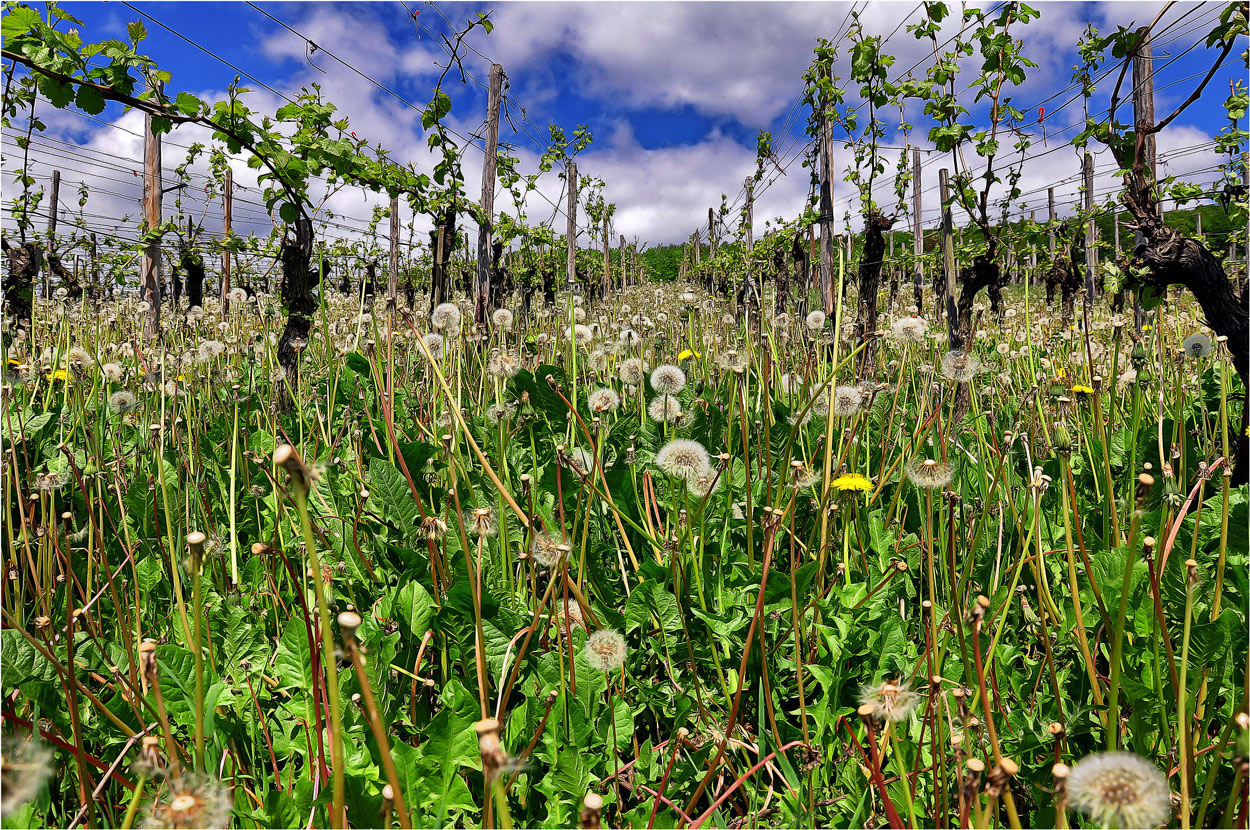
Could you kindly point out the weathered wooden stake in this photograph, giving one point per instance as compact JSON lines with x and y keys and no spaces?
{"x":1050,"y":220}
{"x":828,"y":253}
{"x":482,"y":289}
{"x":1091,"y":230}
{"x":227,"y":198}
{"x":947,"y":289}
{"x":392,"y":286}
{"x":54,"y":208}
{"x":150,"y":270}
{"x":917,"y":231}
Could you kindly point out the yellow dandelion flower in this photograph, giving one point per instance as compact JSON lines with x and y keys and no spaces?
{"x":1062,"y":373}
{"x":58,"y":375}
{"x":851,"y":482}
{"x":686,"y":354}
{"x":1081,"y":389}
{"x":1147,"y":327}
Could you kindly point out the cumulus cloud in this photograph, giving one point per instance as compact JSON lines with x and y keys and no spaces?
{"x":735,"y":67}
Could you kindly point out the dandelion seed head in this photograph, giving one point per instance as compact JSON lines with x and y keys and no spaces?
{"x":1120,"y":789}
{"x":891,"y":701}
{"x":502,"y":319}
{"x":191,"y":801}
{"x":683,"y":458}
{"x":434,"y":342}
{"x":631,"y":371}
{"x":24,"y":767}
{"x":664,"y":409}
{"x":605,"y":650}
{"x":705,"y":484}
{"x":122,"y":402}
{"x":481,"y":521}
{"x":909,"y":329}
{"x":960,"y":366}
{"x":78,"y":360}
{"x":503,"y":365}
{"x":929,"y":473}
{"x":847,"y":401}
{"x":548,"y":550}
{"x":668,"y":379}
{"x":1198,"y":345}
{"x":603,"y":400}
{"x":446,"y":317}
{"x":815,"y":320}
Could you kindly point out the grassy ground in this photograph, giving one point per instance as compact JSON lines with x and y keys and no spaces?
{"x":648,"y":564}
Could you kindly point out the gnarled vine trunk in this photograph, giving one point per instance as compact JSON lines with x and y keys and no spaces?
{"x":1166,"y":257}
{"x":983,"y":273}
{"x":871,"y":259}
{"x":298,"y":282}
{"x":66,"y":277}
{"x":19,"y":289}
{"x":194,"y":269}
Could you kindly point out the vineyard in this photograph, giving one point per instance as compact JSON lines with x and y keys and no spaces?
{"x":424,"y":471}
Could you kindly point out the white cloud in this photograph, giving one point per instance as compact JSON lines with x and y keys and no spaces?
{"x":738,"y":64}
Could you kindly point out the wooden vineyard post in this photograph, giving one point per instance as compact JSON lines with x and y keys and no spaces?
{"x":607,"y":255}
{"x":917,"y":229}
{"x":624,"y":262}
{"x":150,"y":271}
{"x":1115,"y":214}
{"x":392,"y":286}
{"x":1143,"y":120}
{"x":711,"y":234}
{"x":54,"y":208}
{"x":827,"y":173}
{"x":95,"y":292}
{"x":698,"y":250}
{"x":571,"y":233}
{"x":946,"y":289}
{"x":482,"y":288}
{"x":1050,"y":221}
{"x":750,"y":290}
{"x":227,"y":199}
{"x":1091,"y":230}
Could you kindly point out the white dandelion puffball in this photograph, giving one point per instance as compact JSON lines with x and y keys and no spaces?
{"x":1120,"y":789}
{"x":668,"y":379}
{"x":605,"y":650}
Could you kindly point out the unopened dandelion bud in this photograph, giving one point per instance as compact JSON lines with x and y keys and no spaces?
{"x":147,"y":658}
{"x":195,"y":541}
{"x":349,"y":621}
{"x":493,"y":756}
{"x":1062,"y":440}
{"x":592,"y":807}
{"x":1191,"y":571}
{"x":288,"y":459}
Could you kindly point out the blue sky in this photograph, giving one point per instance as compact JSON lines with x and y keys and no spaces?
{"x":674,"y":94}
